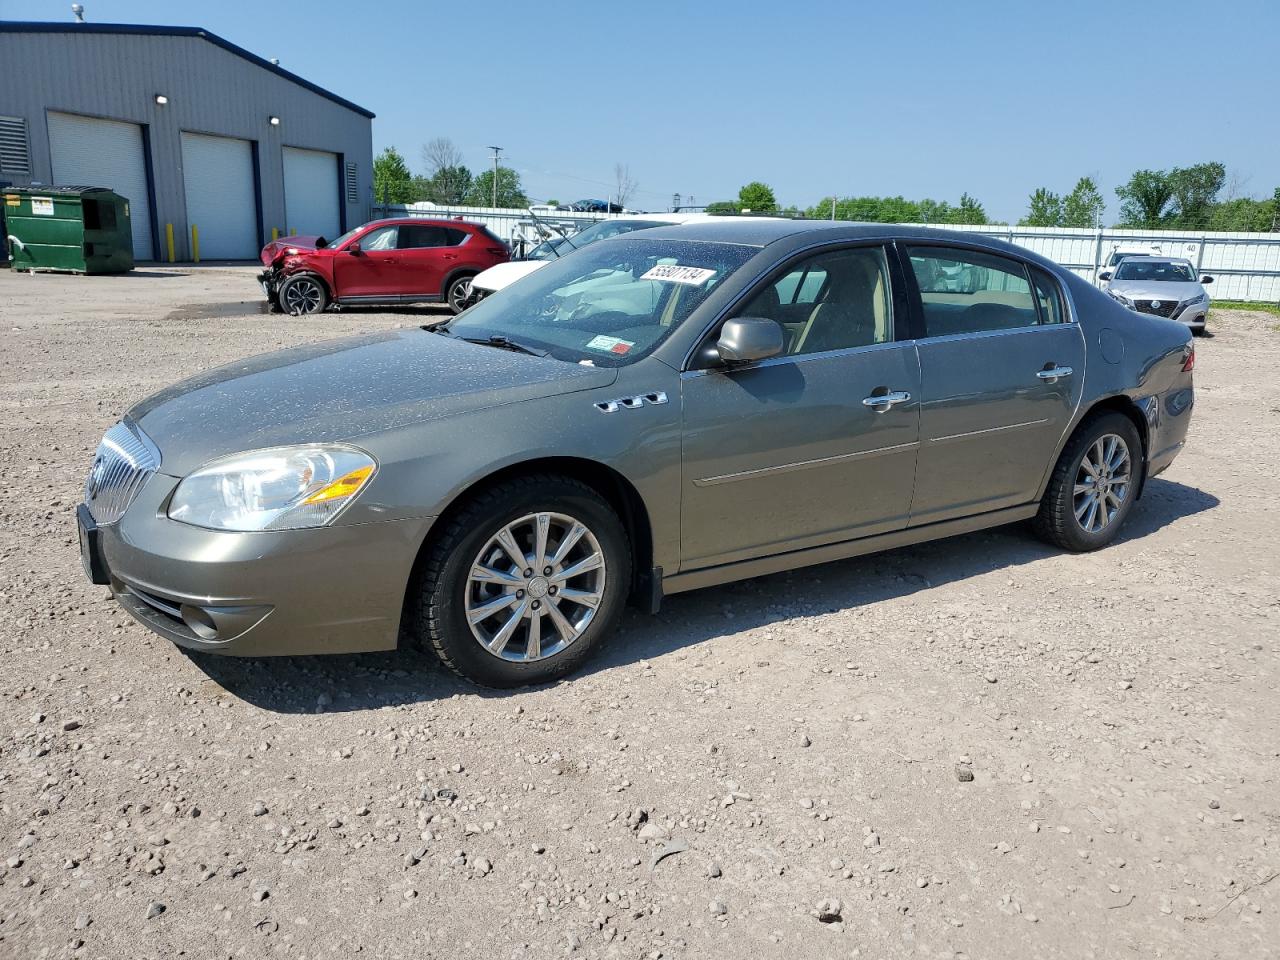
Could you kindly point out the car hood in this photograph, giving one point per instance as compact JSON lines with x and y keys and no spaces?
{"x":277,"y":248}
{"x":1146,"y":290}
{"x":343,"y":390}
{"x":505,"y":274}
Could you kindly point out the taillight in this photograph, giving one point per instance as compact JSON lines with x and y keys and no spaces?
{"x":1189,"y":363}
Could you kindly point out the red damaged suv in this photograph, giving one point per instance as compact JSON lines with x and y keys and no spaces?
{"x":405,"y":260}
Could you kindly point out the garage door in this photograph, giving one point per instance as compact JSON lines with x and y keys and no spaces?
{"x":217,"y":175}
{"x":89,"y":152}
{"x":311,"y":192}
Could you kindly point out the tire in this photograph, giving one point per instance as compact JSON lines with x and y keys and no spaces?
{"x":1073,"y":515}
{"x":500,"y":649}
{"x":303,"y":294}
{"x":458,"y":292}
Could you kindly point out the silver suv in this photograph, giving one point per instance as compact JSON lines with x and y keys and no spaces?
{"x":1164,"y":286}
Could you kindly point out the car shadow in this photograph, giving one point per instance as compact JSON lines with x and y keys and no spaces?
{"x":353,"y":682}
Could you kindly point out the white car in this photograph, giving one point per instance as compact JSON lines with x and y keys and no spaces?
{"x":1118,"y":253}
{"x":505,"y":274}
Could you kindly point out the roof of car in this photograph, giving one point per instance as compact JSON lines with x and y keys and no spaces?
{"x":760,"y":232}
{"x":423,"y":222}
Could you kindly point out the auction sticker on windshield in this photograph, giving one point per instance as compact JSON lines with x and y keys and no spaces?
{"x":610,"y":345}
{"x":674,"y":273}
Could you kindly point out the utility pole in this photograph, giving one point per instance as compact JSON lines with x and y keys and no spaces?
{"x":833,"y":206}
{"x":497,"y":152}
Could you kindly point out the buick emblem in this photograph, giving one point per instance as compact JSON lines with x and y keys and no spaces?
{"x":1155,"y":304}
{"x":95,"y":479}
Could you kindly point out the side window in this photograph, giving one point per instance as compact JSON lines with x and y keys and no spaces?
{"x":1049,"y":296}
{"x":453,"y":238}
{"x":415,"y":237}
{"x":831,"y":301}
{"x":383,"y":238}
{"x":963,"y":291}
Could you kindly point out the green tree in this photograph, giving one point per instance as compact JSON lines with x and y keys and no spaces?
{"x":449,"y":185}
{"x":392,"y":182}
{"x":510,"y":191}
{"x":1083,"y":206}
{"x":723,"y":206}
{"x":934,"y":211}
{"x":969,"y":212}
{"x":1195,"y":189}
{"x":1044,"y":209}
{"x":757,"y":197}
{"x":1144,"y":200}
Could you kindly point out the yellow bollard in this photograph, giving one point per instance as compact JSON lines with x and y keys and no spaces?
{"x":275,"y":234}
{"x":168,"y":237}
{"x":195,"y":243}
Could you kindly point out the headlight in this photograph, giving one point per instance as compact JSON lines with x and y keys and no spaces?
{"x":1122,"y":298}
{"x":1201,"y":297}
{"x":279,"y":488}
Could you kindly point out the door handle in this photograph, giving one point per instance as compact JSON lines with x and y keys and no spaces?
{"x":1053,"y":374}
{"x":884,"y":401}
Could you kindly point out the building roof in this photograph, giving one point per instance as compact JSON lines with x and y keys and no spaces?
{"x":136,"y":29}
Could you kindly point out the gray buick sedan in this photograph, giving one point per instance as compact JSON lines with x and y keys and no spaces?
{"x":660,"y":412}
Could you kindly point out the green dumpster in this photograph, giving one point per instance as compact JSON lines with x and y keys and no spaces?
{"x":76,"y":229}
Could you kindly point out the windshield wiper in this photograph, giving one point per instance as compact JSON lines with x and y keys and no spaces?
{"x":505,"y":343}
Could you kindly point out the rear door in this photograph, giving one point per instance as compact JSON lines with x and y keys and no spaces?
{"x":376,"y":272}
{"x":800,"y":450}
{"x":1001,"y":370}
{"x":428,"y":253}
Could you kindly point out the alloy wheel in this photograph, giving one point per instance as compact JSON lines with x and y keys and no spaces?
{"x":535,"y":587}
{"x":303,"y":296}
{"x":1103,"y":482}
{"x":459,"y":292}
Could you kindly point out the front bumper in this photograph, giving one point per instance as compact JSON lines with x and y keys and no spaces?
{"x":269,"y":281}
{"x":333,"y":589}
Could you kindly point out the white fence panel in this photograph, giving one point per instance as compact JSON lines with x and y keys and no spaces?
{"x":1244,"y":266}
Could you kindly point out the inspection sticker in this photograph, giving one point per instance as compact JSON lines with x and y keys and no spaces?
{"x":42,"y":206}
{"x":674,"y":273}
{"x":610,"y":345}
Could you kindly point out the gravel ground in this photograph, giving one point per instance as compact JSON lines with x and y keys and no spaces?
{"x":978,"y":748}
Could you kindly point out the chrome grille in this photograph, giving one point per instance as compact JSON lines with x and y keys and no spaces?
{"x":124,"y":462}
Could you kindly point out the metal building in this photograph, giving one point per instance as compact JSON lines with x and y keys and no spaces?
{"x":216,"y":148}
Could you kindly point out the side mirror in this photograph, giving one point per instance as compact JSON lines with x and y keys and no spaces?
{"x":352,"y":248}
{"x":1206,"y":279}
{"x":744,"y":339}
{"x":1105,"y":275}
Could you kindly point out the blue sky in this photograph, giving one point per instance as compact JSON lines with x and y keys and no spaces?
{"x":926,"y":99}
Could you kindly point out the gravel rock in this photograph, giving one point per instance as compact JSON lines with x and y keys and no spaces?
{"x":154,"y":909}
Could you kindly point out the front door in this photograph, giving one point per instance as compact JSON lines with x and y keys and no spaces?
{"x":375,"y":272}
{"x":1001,"y":370}
{"x":816,"y":445}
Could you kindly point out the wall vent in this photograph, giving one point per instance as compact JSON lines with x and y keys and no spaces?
{"x":15,"y":158}
{"x":353,"y":184}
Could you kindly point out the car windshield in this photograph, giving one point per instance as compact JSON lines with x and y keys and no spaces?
{"x":559,"y":246}
{"x":1155,"y":271}
{"x":609,"y":304}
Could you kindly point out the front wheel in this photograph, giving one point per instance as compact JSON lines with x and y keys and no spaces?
{"x":302,"y":294}
{"x":524,"y":583}
{"x":458,"y":294}
{"x":1093,"y":485}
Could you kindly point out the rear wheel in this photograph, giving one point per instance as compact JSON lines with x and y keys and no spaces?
{"x":524,"y":583}
{"x":1093,"y":485}
{"x":458,"y":293}
{"x":303,"y":294}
